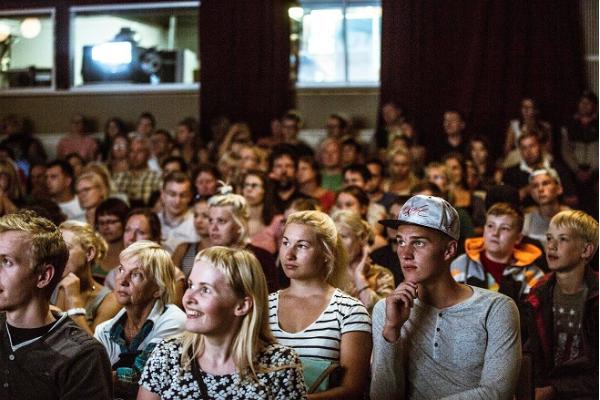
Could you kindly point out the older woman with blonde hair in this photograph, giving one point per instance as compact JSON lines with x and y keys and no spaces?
{"x":78,"y":293}
{"x":227,"y":350}
{"x":91,"y":191}
{"x":145,"y":287}
{"x":228,"y":216}
{"x":313,"y":315}
{"x":367,"y":282}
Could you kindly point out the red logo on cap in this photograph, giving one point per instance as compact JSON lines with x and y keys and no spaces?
{"x":421,"y":211}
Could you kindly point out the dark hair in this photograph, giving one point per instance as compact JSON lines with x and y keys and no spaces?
{"x":46,"y":208}
{"x":377,"y":161}
{"x":209,"y":168}
{"x":358,"y":168}
{"x":175,"y":159}
{"x":426,"y":185}
{"x":461,"y":161}
{"x":352,"y":142}
{"x":150,"y":116}
{"x":292,"y":117}
{"x":122,"y":129}
{"x":527,"y":135}
{"x":282,"y":150}
{"x":341,"y":121}
{"x":164,"y":133}
{"x":75,"y":155}
{"x":112,"y":206}
{"x":590,"y":95}
{"x":190,"y":123}
{"x":268,"y":210}
{"x":64,"y":166}
{"x":177,"y":177}
{"x":456,"y":111}
{"x":153,"y":221}
{"x":358,"y":193}
{"x":314,"y":165}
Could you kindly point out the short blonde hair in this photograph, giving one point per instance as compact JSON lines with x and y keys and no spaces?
{"x":356,"y":224}
{"x":47,"y":243}
{"x":244,"y":275}
{"x":158,"y":265}
{"x":582,"y":224}
{"x":335,"y":255}
{"x":87,"y":237}
{"x":239,"y":211}
{"x":96,"y":180}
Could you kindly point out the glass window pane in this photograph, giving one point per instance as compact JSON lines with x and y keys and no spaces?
{"x":322,"y":46}
{"x":363,"y":26}
{"x":149,"y":45}
{"x":26,"y":49}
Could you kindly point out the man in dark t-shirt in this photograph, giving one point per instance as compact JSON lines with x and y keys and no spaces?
{"x":43,"y":355}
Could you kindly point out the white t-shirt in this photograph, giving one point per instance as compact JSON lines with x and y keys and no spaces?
{"x":184,"y":232}
{"x":72,"y":209}
{"x":322,"y":338}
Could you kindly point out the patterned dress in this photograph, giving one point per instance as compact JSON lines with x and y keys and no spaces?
{"x":281,"y":376}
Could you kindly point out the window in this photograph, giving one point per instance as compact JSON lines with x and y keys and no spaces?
{"x":27,"y":49}
{"x":135,"y":44}
{"x":336,"y":42}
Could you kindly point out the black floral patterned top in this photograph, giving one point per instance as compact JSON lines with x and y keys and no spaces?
{"x":165,"y":376}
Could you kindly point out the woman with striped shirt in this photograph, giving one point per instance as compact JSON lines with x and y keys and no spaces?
{"x":312,"y":315}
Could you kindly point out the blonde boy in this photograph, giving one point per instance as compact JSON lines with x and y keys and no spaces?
{"x":562,"y":312}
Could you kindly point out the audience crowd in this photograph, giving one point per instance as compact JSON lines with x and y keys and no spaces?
{"x":155,"y":264}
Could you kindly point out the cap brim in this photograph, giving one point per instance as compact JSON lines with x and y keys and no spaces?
{"x":390,"y":223}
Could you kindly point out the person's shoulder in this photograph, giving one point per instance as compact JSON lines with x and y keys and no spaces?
{"x":347,"y":306}
{"x":69,"y":339}
{"x":489,"y":299}
{"x":275,"y":355}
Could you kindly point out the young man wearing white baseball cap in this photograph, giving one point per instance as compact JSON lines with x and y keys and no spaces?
{"x":434,"y":337}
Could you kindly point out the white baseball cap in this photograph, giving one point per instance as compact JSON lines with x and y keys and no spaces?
{"x":430,"y":212}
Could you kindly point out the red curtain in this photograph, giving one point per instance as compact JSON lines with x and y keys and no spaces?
{"x":244,"y":53}
{"x":480,"y":57}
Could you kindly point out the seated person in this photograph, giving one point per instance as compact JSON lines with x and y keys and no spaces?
{"x":366,"y":281}
{"x":78,"y":293}
{"x":546,"y":190}
{"x":227,"y":349}
{"x":313,"y":315}
{"x":145,"y":288}
{"x":228,"y":216}
{"x":498,"y":261}
{"x":434,"y":337}
{"x":184,"y":255}
{"x":43,"y":355}
{"x":562,"y":313}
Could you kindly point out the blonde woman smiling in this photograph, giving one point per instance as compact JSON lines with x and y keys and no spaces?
{"x":227,"y":350}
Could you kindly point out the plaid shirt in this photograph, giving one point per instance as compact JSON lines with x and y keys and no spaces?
{"x":138,"y":185}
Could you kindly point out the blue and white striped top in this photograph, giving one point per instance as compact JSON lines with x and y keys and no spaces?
{"x":322,"y":338}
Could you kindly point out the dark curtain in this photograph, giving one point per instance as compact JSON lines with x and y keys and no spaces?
{"x":480,"y":57}
{"x":244,"y":53}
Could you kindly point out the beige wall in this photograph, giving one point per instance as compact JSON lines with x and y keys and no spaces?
{"x":51,"y":113}
{"x":315,"y":105}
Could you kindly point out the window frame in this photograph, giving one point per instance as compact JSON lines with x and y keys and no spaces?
{"x":344,"y":5}
{"x":125,"y":87}
{"x":34,"y":90}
